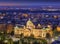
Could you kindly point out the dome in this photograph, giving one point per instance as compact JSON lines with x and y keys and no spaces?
{"x":39,"y":25}
{"x":30,"y":24}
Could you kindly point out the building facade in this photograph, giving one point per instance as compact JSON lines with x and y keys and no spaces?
{"x":30,"y":29}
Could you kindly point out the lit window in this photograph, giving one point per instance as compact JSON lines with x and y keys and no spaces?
{"x":1,"y":17}
{"x":14,"y":13}
{"x":7,"y":13}
{"x":9,"y":21}
{"x":58,"y":16}
{"x":4,"y":14}
{"x":47,"y":16}
{"x":55,"y":16}
{"x":0,"y":13}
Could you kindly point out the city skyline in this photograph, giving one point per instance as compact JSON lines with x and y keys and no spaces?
{"x":29,"y":3}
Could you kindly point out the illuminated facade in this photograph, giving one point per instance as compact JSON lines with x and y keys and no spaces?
{"x":30,"y":29}
{"x":58,"y":28}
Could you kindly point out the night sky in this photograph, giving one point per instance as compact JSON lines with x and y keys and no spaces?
{"x":29,"y":2}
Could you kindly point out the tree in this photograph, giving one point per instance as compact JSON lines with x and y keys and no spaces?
{"x":10,"y":41}
{"x":12,"y":33}
{"x":21,"y":35}
{"x":56,"y":33}
{"x":48,"y":36}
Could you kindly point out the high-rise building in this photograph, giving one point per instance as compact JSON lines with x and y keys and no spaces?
{"x":2,"y":27}
{"x":10,"y":28}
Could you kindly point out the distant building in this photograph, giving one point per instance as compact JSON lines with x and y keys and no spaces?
{"x":58,"y":28}
{"x":10,"y":28}
{"x":2,"y":27}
